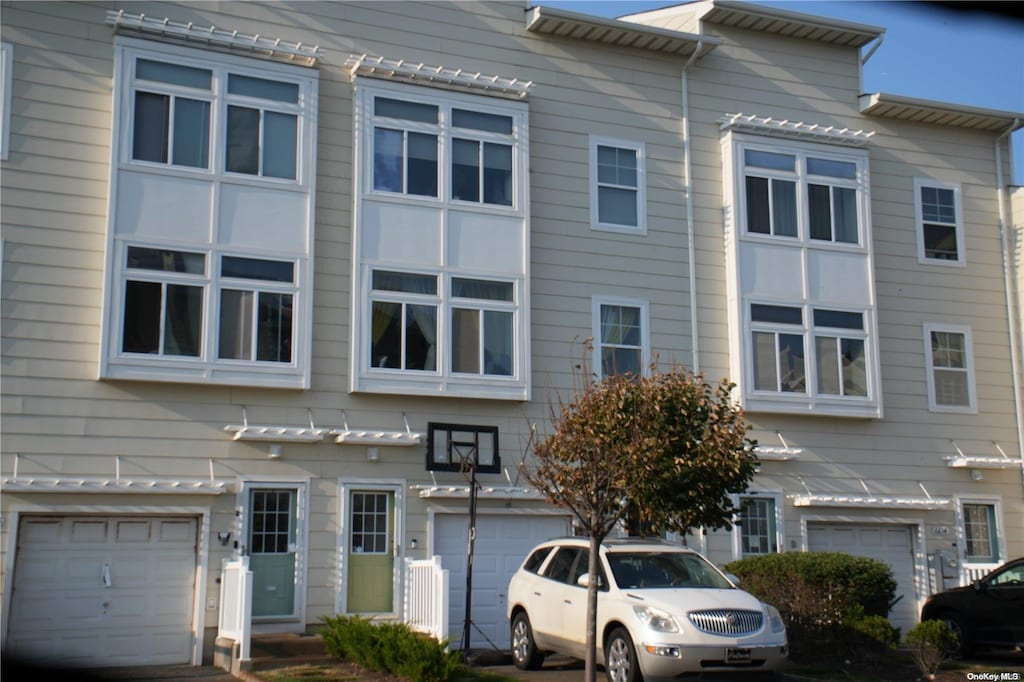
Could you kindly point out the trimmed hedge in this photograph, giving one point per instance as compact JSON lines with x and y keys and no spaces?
{"x":390,"y":647}
{"x":827,"y":599}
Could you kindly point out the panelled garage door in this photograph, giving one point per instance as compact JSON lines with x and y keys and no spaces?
{"x":502,"y":542}
{"x":889,"y":543}
{"x":104,"y":591}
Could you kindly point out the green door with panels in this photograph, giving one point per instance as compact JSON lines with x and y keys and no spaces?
{"x":371,"y":551}
{"x":272,"y":551}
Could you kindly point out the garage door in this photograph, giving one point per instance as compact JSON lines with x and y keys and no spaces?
{"x":104,"y":591}
{"x":502,"y":542}
{"x":891,"y":544}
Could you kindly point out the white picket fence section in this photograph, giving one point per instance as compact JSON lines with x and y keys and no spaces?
{"x":426,"y":597}
{"x":971,"y":572}
{"x":235,"y":620}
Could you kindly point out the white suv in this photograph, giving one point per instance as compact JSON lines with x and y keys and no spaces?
{"x":665,"y":611}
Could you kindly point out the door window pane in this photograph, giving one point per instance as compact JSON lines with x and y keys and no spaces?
{"x":370,"y":521}
{"x":271,"y":531}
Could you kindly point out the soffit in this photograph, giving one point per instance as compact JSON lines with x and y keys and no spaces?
{"x":565,"y":24}
{"x":792,"y":24}
{"x":902,"y":108}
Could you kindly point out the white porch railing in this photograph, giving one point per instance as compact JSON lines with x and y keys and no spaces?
{"x":426,"y":597}
{"x":236,"y":604}
{"x":971,"y":572}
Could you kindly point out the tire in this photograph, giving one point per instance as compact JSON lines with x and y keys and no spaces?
{"x":524,"y":650}
{"x":956,"y":623}
{"x":620,"y":663}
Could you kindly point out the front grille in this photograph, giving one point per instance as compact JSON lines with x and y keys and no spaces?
{"x":727,"y":621}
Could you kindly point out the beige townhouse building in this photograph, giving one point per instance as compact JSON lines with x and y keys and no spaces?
{"x":284,"y":281}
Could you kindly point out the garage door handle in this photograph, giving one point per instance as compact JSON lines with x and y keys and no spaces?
{"x":105,"y":576}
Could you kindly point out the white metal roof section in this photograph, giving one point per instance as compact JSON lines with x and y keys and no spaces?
{"x":211,"y":35}
{"x":756,"y":17}
{"x":397,"y":69}
{"x":766,"y":125}
{"x":884,"y":105}
{"x":565,"y":24}
{"x":489,"y":492}
{"x":869,"y":500}
{"x":269,"y":433}
{"x":137,"y":486}
{"x":350,"y":436}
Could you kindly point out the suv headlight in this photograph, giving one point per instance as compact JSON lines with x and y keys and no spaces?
{"x":656,"y":619}
{"x":774,"y":618}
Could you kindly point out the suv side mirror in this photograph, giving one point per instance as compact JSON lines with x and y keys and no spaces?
{"x":584,"y":581}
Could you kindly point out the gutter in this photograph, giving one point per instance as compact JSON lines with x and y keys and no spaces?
{"x":691,"y":256}
{"x":1008,"y":286}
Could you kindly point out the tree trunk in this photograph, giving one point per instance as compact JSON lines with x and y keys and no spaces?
{"x":590,"y":664}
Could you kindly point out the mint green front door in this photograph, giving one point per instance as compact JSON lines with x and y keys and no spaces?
{"x":272,"y":551}
{"x":371,"y":554}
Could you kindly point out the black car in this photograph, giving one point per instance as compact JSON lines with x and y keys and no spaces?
{"x":986,"y":613}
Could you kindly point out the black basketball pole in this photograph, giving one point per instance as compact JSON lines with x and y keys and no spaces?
{"x":467,"y":623}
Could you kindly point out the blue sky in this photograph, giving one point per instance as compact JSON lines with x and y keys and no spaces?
{"x":963,"y":57}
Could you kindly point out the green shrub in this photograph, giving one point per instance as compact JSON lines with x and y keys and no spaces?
{"x":390,"y":647}
{"x":829,"y":601}
{"x":931,"y":642}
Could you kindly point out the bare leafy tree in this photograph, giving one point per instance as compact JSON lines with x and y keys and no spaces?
{"x":667,"y":445}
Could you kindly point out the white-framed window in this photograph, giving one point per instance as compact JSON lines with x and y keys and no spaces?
{"x":980,"y":532}
{"x":621,"y":336}
{"x":950,"y":368}
{"x":440,"y":286}
{"x":618,"y":194}
{"x":811,"y":350}
{"x":758,"y":527}
{"x":799,"y":267}
{"x":210,"y":222}
{"x":940,"y":225}
{"x":6,"y":76}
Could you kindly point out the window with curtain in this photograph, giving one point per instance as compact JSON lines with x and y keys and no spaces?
{"x":950,"y":368}
{"x":620,"y":338}
{"x":404,"y":315}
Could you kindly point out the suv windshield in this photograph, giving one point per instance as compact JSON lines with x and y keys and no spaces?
{"x":652,"y":570}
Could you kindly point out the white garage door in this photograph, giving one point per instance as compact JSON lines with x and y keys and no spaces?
{"x":502,"y":542}
{"x":104,"y":591}
{"x":891,"y":544}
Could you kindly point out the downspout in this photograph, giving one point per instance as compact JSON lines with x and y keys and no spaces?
{"x":688,"y":190}
{"x":1008,"y":284}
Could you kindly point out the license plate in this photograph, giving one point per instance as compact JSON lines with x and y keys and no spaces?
{"x":737,"y":655}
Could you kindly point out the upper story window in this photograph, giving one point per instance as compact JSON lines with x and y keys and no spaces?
{"x":617,"y":185}
{"x":414,"y":142}
{"x":211,"y":218}
{"x":620,"y":336}
{"x":801,"y":194}
{"x":802,"y":302}
{"x":950,"y":368}
{"x":940,"y":233}
{"x":440,"y":243}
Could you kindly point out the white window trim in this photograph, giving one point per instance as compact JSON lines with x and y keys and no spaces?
{"x":961,"y":532}
{"x":363,"y":379}
{"x":645,"y":334}
{"x":780,"y":530}
{"x":733,"y":145}
{"x":641,"y":188}
{"x":933,"y":406}
{"x":208,"y":368}
{"x":6,"y":85}
{"x":961,"y":255}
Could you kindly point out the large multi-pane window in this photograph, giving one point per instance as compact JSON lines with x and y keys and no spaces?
{"x":802,"y":297}
{"x":939,"y":225}
{"x":210,"y":226}
{"x":950,"y":368}
{"x":758,"y":526}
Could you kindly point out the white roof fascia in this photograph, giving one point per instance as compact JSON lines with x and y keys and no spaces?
{"x":766,"y":125}
{"x":211,"y":35}
{"x":398,"y":69}
{"x":885,"y":105}
{"x":622,"y":33}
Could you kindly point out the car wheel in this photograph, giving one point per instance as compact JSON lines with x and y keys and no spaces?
{"x":524,"y":649}
{"x":955,"y":622}
{"x":620,"y":658}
